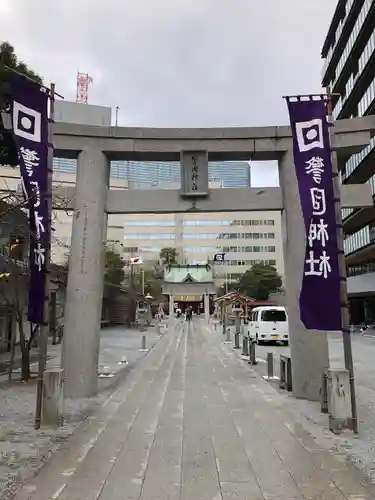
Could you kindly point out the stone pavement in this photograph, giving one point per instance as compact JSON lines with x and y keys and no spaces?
{"x":358,"y":448}
{"x":22,"y":448}
{"x":192,"y":423}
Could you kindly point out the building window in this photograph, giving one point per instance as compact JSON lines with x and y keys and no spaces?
{"x":130,"y":249}
{"x":206,"y":223}
{"x":253,"y":222}
{"x":148,"y":236}
{"x":368,"y":267}
{"x":148,"y":223}
{"x":357,"y":240}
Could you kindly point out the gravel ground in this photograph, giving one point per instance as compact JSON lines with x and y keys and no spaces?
{"x":358,"y":449}
{"x":23,"y":449}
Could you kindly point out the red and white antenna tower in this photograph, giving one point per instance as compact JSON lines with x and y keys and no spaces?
{"x":83,"y":81}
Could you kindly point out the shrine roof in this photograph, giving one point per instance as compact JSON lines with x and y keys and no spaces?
{"x":177,"y":273}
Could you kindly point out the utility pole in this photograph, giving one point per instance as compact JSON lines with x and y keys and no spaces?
{"x":345,"y":320}
{"x":44,"y":329}
{"x":131,"y":295}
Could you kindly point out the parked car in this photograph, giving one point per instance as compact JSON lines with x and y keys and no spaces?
{"x":269,"y":324}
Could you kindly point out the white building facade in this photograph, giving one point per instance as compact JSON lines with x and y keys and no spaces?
{"x":246,"y":238}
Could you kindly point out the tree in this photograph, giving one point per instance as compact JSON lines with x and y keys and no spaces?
{"x":14,"y":233}
{"x":8,"y":58}
{"x":259,"y":281}
{"x":114,"y":273}
{"x":114,"y":268}
{"x":169,"y":255}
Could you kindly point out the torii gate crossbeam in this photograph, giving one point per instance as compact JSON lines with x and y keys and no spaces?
{"x":96,"y":146}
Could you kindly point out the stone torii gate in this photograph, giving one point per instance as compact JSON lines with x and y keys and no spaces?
{"x":95,"y":147}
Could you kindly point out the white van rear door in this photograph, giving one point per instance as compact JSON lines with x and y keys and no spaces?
{"x":273,"y":322}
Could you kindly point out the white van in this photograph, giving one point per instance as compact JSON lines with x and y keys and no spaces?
{"x":269,"y":324}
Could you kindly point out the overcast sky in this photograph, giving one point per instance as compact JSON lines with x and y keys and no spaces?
{"x":171,"y":63}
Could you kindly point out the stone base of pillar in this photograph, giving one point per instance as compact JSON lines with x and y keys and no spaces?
{"x":53,"y":398}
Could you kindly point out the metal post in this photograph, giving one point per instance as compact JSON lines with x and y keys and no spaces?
{"x":52,"y":317}
{"x":245,"y":346}
{"x":252,"y":356}
{"x":142,"y":329}
{"x":345,"y":320}
{"x":44,"y":330}
{"x":133,"y":305}
{"x":238,"y":330}
{"x":228,"y":340}
{"x":324,"y":394}
{"x":270,"y":364}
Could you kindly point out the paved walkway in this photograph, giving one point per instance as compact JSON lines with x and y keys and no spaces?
{"x":193,"y":423}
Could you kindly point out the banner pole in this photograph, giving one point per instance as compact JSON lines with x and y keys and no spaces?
{"x":44,"y":329}
{"x":346,"y":338}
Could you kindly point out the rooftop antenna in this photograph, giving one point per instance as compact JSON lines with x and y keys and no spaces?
{"x":83,"y":82}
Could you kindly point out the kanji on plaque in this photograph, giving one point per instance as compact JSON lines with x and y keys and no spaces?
{"x":319,"y":301}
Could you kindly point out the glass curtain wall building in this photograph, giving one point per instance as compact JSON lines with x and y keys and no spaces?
{"x":349,"y":71}
{"x":149,"y":175}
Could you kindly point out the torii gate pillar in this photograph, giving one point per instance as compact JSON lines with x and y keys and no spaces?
{"x":309,"y":348}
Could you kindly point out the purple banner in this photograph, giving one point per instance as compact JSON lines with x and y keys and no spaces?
{"x":320,"y":293}
{"x":30,"y":128}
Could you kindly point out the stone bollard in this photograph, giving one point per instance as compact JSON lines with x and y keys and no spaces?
{"x":53,"y":398}
{"x":245,"y":346}
{"x":339,"y":402}
{"x":228,"y":340}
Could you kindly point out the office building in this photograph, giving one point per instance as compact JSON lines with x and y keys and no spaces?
{"x":349,"y":71}
{"x":153,"y":175}
{"x":246,"y":238}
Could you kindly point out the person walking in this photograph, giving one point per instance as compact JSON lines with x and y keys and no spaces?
{"x":189,"y":314}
